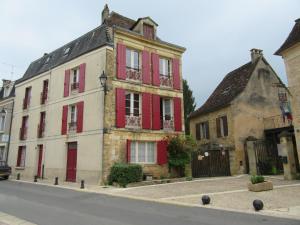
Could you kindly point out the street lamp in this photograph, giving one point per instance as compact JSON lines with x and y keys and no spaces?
{"x":103,"y":79}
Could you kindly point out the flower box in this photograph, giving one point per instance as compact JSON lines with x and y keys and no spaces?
{"x":264,"y":186}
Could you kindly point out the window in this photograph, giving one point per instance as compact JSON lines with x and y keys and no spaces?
{"x":164,"y":67}
{"x":6,"y":92}
{"x":2,"y":153}
{"x":26,"y":101}
{"x":44,"y":94}
{"x":41,"y":126}
{"x":132,"y":104}
{"x":73,"y":113}
{"x":202,"y":130}
{"x":75,"y":79}
{"x":222,"y":126}
{"x":21,"y":156}
{"x":132,"y":59}
{"x":23,"y":129}
{"x":142,"y":152}
{"x":148,"y":31}
{"x":2,"y":121}
{"x":66,"y":51}
{"x":166,"y":113}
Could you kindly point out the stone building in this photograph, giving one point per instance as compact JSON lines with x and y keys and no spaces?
{"x":290,"y":52}
{"x":246,"y":103}
{"x":7,"y":94}
{"x":70,"y":124}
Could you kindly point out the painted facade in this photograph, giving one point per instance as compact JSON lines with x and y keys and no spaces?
{"x":248,"y":109}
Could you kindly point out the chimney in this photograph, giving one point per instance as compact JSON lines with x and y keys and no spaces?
{"x":105,"y":13}
{"x":255,"y":54}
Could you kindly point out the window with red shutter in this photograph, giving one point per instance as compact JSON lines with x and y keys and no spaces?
{"x":64,"y":124}
{"x":146,"y":110}
{"x":146,"y":67}
{"x":80,"y":110}
{"x":162,"y":154}
{"x":177,"y":114}
{"x":67,"y":83}
{"x":121,"y":61}
{"x":155,"y":112}
{"x":120,"y":108}
{"x":82,"y":68}
{"x":155,"y":69}
{"x":176,"y":75}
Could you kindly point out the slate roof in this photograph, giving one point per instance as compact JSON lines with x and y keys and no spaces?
{"x":230,"y":87}
{"x":293,"y":38}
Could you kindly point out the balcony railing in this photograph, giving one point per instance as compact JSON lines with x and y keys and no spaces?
{"x":133,"y":121}
{"x":74,"y":86}
{"x":23,"y":133}
{"x":133,"y":74}
{"x":166,"y":81}
{"x":40,"y":130}
{"x":26,"y":103}
{"x":275,"y":122}
{"x":167,"y":123}
{"x":72,"y":126}
{"x":44,"y":96}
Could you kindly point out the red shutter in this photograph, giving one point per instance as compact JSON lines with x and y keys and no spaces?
{"x":162,"y":156}
{"x":80,"y":106}
{"x":176,"y":77}
{"x":128,"y":150}
{"x":146,"y":110}
{"x":121,"y":61}
{"x":155,"y":112}
{"x":177,"y":114}
{"x":120,"y":107}
{"x":82,"y":77}
{"x":67,"y":83}
{"x":64,"y":124}
{"x":155,"y":70}
{"x":19,"y":155}
{"x":146,"y":67}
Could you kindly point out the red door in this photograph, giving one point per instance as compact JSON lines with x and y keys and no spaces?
{"x":40,"y":159}
{"x":71,"y":163}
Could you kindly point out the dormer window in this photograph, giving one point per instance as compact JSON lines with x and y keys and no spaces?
{"x":6,"y":92}
{"x":66,"y":51}
{"x":148,"y":31}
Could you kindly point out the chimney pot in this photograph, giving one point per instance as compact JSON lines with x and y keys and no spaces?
{"x":255,"y":54}
{"x":105,"y":13}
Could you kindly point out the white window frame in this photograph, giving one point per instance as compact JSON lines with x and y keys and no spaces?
{"x":132,"y":51}
{"x":164,"y":109}
{"x":132,"y":103}
{"x":135,"y":158}
{"x":74,"y":113}
{"x":75,"y":73}
{"x":166,"y":67}
{"x":2,"y":121}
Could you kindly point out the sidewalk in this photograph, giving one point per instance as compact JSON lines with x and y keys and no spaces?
{"x":6,"y":219}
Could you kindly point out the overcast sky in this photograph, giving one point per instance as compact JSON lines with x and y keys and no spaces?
{"x":217,"y":34}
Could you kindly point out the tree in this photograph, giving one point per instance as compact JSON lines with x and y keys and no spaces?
{"x":189,"y":104}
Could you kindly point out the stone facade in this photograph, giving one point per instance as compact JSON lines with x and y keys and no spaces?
{"x":246,"y":114}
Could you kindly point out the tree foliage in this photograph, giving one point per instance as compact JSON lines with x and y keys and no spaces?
{"x":189,"y":104}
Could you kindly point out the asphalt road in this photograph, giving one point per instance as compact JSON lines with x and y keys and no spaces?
{"x":45,"y":205}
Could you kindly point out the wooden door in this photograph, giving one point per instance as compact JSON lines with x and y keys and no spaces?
{"x":71,"y":164}
{"x":40,"y":159}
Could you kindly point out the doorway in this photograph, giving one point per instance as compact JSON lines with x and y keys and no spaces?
{"x":71,"y":162}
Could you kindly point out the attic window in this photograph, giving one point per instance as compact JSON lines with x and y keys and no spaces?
{"x":67,"y":50}
{"x":47,"y":60}
{"x":148,"y":31}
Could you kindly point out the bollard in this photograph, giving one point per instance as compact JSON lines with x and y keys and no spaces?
{"x":205,"y":199}
{"x":35,"y":178}
{"x":82,"y":184}
{"x":56,"y":181}
{"x":18,"y":176}
{"x":258,"y":205}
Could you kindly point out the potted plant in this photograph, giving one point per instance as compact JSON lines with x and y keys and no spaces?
{"x":258,"y":183}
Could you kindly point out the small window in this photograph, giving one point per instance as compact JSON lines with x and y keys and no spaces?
{"x":21,"y":156}
{"x":164,"y":67}
{"x":166,"y":114}
{"x":47,"y":60}
{"x":143,"y":152}
{"x":73,"y":114}
{"x":132,"y":104}
{"x":75,"y":79}
{"x":132,"y":59}
{"x":222,"y":126}
{"x":6,"y":92}
{"x":148,"y":31}
{"x":67,"y":50}
{"x":202,"y":130}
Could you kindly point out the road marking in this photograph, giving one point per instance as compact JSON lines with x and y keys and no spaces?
{"x":6,"y":219}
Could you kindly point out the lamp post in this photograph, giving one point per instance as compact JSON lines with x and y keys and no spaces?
{"x":103,"y":79}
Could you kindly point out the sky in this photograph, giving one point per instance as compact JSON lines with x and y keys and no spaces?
{"x":217,"y":34}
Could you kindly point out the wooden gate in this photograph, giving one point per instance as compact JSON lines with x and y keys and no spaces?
{"x":215,"y":164}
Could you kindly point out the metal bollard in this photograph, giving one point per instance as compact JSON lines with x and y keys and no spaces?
{"x":35,"y":178}
{"x":82,"y":184}
{"x":56,"y":181}
{"x":18,"y":176}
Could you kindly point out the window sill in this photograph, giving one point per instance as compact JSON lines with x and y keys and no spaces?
{"x":19,"y":168}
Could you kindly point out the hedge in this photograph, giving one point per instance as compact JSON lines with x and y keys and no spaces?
{"x":124,"y":174}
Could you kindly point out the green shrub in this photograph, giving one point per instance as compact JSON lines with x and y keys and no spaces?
{"x":124,"y":174}
{"x":255,"y":179}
